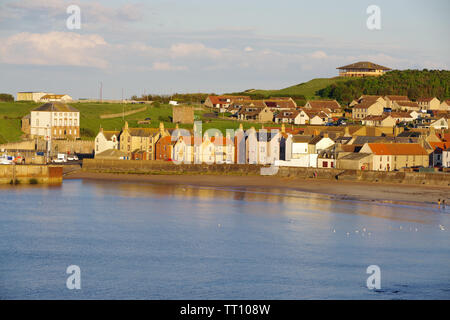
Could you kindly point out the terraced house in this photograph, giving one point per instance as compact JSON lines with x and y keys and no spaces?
{"x":139,"y":143}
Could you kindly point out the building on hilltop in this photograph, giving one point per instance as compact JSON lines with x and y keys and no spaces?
{"x":362,"y":69}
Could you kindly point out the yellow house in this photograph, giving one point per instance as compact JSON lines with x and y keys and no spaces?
{"x":141,"y":140}
{"x":362,"y":69}
{"x":394,"y":156}
{"x":429,"y":103}
{"x":367,"y":108}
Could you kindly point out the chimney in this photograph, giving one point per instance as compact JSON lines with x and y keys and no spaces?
{"x":126,"y":125}
{"x":347,"y":132}
{"x":325,"y":135}
{"x":283,"y":128}
{"x":241,"y":127}
{"x":161,"y":127}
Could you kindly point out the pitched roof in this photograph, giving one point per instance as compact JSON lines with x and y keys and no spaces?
{"x":298,"y":138}
{"x":365,"y":104}
{"x":332,"y":104}
{"x":407,"y":104}
{"x":397,"y":98}
{"x":400,"y":115}
{"x":55,"y":106}
{"x":441,"y":145}
{"x":143,"y":132}
{"x":108,"y":134}
{"x":364,"y":65}
{"x":397,"y":149}
{"x":425,"y":99}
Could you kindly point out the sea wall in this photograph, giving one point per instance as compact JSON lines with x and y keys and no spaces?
{"x":30,"y":174}
{"x":164,"y":167}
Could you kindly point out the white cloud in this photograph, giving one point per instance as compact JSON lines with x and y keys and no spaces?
{"x":54,"y":48}
{"x":166,"y":66}
{"x":318,"y":55}
{"x":194,"y":50}
{"x":248,"y":49}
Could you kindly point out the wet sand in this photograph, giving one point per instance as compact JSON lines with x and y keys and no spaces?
{"x":346,"y":190}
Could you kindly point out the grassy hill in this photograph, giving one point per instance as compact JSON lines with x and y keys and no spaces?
{"x":412,"y":83}
{"x":306,"y":89}
{"x":90,"y":122}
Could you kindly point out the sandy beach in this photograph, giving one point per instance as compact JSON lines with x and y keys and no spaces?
{"x":363,"y":191}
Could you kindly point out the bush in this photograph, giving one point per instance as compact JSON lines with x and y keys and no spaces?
{"x":6,"y":97}
{"x":33,"y":181}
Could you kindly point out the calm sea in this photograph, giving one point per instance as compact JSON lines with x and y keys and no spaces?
{"x":150,"y":241}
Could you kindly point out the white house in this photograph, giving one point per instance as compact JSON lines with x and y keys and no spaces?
{"x":55,"y":120}
{"x":439,"y":124}
{"x":106,"y":140}
{"x":183,"y":150}
{"x":268,"y":146}
{"x":446,"y":158}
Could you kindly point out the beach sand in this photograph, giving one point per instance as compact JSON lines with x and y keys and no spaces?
{"x":363,"y":191}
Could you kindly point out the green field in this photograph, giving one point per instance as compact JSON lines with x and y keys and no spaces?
{"x":90,"y":122}
{"x":307,"y":89}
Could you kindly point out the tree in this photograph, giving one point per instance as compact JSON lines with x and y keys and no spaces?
{"x":6,"y":97}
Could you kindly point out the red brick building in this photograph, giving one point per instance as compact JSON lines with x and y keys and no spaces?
{"x":163,"y":148}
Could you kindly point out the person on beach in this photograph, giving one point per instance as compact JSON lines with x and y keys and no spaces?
{"x":443,"y":203}
{"x":439,"y":203}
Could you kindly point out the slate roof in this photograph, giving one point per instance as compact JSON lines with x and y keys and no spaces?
{"x":55,"y":106}
{"x":364,"y":65}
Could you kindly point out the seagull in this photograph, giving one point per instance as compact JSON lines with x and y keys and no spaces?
{"x":364,"y":229}
{"x":441,"y":227}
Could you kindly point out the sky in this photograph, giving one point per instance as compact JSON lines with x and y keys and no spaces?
{"x":163,"y":47}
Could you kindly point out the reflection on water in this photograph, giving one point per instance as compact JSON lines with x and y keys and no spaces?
{"x":156,"y":241}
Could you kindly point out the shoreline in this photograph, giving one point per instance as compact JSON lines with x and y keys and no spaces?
{"x":338,"y":190}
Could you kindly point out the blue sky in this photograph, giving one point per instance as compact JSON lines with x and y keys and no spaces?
{"x":209,"y":46}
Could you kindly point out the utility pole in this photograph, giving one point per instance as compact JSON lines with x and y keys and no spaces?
{"x":123,"y":108}
{"x":101,"y":91}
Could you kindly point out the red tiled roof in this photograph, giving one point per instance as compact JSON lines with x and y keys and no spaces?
{"x":397,"y":149}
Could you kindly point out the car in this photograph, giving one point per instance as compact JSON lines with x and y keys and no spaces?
{"x":72,"y":157}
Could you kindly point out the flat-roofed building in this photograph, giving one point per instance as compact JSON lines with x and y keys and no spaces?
{"x":31,"y":95}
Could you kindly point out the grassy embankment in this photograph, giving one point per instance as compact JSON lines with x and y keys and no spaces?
{"x":90,"y":122}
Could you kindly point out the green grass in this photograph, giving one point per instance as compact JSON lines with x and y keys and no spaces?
{"x":90,"y":122}
{"x":307,"y":89}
